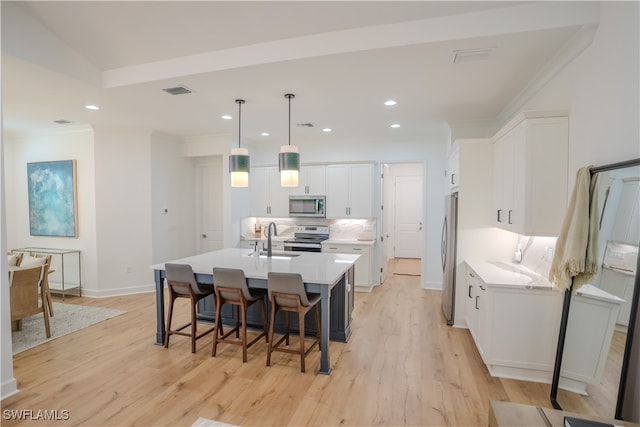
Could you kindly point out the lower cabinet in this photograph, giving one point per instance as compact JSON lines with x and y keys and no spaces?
{"x":363,"y":267}
{"x":514,"y":328}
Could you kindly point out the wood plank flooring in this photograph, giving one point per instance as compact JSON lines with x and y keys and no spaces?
{"x":402,"y":366}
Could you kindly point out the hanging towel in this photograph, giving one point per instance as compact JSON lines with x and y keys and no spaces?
{"x":576,"y":256}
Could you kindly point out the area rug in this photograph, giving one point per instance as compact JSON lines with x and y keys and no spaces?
{"x":407,"y":267}
{"x":203,"y":422}
{"x":68,"y":318}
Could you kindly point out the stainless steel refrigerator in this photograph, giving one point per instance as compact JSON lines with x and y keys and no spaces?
{"x":448,"y":253}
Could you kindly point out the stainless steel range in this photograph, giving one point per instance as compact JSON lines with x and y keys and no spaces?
{"x":307,"y":238}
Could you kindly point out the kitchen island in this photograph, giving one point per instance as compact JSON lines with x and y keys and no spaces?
{"x":322,"y":273}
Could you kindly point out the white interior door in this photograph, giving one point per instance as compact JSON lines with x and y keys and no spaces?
{"x":408,"y":217}
{"x":210,"y":225}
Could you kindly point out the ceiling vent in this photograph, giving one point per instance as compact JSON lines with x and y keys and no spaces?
{"x":62,"y":122}
{"x":467,"y":55}
{"x":178,"y":90}
{"x":306,"y":125}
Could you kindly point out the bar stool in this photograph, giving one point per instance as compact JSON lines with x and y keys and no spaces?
{"x":231,"y":288}
{"x":182,"y":284}
{"x":287,"y":294}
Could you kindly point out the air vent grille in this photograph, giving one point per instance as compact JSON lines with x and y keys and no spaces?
{"x":306,"y":125}
{"x":178,"y":90}
{"x":62,"y":122}
{"x":467,"y":55}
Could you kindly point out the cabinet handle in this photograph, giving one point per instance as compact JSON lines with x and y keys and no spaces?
{"x":333,"y":249}
{"x":510,"y":216}
{"x":452,"y":175}
{"x":471,"y":274}
{"x":356,"y":249}
{"x":499,"y":211}
{"x":470,"y":292}
{"x":477,"y":308}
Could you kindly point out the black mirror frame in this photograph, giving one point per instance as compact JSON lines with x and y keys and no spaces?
{"x":620,"y":402}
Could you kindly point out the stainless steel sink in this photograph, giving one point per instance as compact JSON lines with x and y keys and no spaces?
{"x":276,"y":254}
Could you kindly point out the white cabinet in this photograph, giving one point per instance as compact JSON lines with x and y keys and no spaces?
{"x":514,"y":328}
{"x":363,"y":266}
{"x":312,"y":181}
{"x":350,"y":191}
{"x":266,"y":197}
{"x":530,"y":175}
{"x":453,"y":166}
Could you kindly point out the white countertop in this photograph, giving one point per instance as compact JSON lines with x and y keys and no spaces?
{"x":592,"y":292}
{"x":315,"y":267}
{"x":496,"y":273}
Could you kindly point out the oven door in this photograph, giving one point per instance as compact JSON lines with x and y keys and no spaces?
{"x":302,"y":247}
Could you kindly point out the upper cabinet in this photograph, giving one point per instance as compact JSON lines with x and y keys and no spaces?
{"x":452,"y":175}
{"x":350,"y":191}
{"x":312,"y":181}
{"x":530,"y":175}
{"x":266,"y":197}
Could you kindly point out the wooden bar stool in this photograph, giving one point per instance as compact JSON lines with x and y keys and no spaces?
{"x":182,"y":284}
{"x":287,"y":294}
{"x":231,"y":288}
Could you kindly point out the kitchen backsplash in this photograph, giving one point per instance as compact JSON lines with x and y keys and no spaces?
{"x":536,"y":253}
{"x":339,"y":229}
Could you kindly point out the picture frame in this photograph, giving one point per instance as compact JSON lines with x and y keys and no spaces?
{"x":53,"y":201}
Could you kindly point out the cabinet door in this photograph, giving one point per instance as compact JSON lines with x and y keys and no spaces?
{"x":363,"y":264}
{"x":454,"y":177}
{"x":312,"y":181}
{"x":498,"y":178}
{"x":337,"y":191}
{"x":361,"y":191}
{"x":471,"y":309}
{"x":278,"y":195}
{"x":259,"y":192}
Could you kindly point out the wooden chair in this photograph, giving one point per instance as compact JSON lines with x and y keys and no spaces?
{"x":14,"y":259}
{"x":287,"y":294}
{"x":46,"y":291}
{"x":231,"y":288}
{"x":25,"y":286}
{"x":182,"y":284}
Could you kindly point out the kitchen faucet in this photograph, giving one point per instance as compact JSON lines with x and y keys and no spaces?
{"x":275,"y":233}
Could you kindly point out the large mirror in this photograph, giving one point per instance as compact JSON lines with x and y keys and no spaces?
{"x":596,"y":369}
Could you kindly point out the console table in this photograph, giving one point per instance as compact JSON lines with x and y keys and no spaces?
{"x":63,"y":284}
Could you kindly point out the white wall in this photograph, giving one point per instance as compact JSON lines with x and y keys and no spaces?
{"x":123,"y":211}
{"x":71,"y":143}
{"x":172,"y":188}
{"x":601,"y":87}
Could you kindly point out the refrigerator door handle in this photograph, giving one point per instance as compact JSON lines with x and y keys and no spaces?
{"x":443,"y":244}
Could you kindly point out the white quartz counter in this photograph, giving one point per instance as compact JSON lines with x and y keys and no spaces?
{"x":315,"y":267}
{"x":496,"y":273}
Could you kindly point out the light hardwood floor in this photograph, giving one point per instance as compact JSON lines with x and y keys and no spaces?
{"x":402,"y":366}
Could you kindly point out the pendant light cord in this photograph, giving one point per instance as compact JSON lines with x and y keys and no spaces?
{"x":239,"y":102}
{"x":289,"y":96}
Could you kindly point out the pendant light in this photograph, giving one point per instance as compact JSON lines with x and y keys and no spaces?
{"x":239,"y":158}
{"x":289,"y":158}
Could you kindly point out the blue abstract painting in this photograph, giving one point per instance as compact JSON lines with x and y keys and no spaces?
{"x":52,"y":198}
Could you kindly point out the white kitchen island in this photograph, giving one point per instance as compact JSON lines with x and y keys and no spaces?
{"x":321,"y":272}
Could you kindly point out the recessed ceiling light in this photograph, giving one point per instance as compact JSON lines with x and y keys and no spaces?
{"x":395,"y":125}
{"x":326,"y":130}
{"x":390,"y":102}
{"x":265,"y":134}
{"x":227,"y":117}
{"x":91,"y":107}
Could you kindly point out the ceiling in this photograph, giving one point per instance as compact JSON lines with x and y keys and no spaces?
{"x":341,"y":59}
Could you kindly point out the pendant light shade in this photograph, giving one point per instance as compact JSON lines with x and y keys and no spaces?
{"x":239,"y":158}
{"x":289,"y":158}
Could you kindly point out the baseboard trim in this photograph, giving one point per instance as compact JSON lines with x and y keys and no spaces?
{"x":117,"y":292}
{"x":9,"y":388}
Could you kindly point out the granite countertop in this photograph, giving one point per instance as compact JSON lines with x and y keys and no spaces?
{"x":497,"y":273}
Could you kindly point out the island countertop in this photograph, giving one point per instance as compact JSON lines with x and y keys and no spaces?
{"x":314,"y":267}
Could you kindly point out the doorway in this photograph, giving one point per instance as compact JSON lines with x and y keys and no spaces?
{"x":209,"y":205}
{"x":403,"y":216}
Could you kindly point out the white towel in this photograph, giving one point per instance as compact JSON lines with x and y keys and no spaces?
{"x":576,"y":255}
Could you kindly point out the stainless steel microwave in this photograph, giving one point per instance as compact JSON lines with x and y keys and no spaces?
{"x":307,"y":206}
